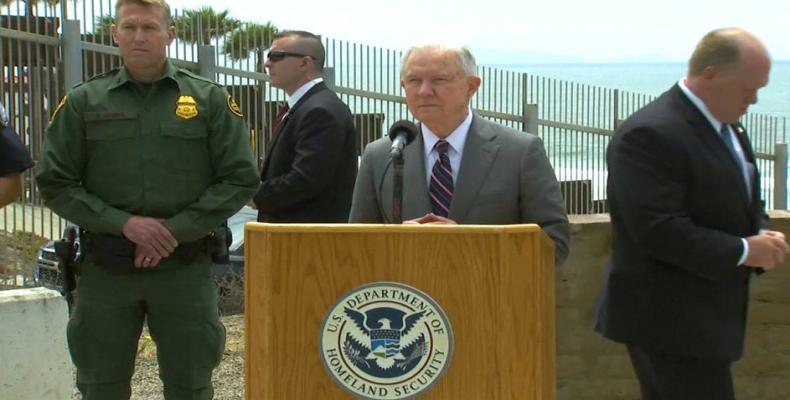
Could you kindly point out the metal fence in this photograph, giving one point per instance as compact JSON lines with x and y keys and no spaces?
{"x":41,"y":56}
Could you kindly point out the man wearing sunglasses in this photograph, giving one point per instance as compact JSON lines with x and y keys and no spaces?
{"x":309,"y":171}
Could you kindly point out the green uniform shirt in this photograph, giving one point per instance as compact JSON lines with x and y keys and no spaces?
{"x":176,"y":149}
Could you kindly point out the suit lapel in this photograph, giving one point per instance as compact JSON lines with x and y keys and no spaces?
{"x":415,"y":190}
{"x":708,"y":134}
{"x":313,"y":90}
{"x":748,"y":151}
{"x":283,"y":128}
{"x":416,"y":202}
{"x":479,"y":155}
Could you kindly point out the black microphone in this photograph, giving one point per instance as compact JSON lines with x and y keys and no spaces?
{"x":401,"y":133}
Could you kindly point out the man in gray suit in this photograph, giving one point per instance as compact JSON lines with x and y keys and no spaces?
{"x":461,"y":168}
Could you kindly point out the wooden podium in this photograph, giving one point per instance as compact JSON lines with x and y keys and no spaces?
{"x":494,"y":283}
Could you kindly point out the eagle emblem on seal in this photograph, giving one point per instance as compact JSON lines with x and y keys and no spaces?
{"x":387,"y":335}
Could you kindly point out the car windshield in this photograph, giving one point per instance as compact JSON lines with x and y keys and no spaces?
{"x":236,"y":225}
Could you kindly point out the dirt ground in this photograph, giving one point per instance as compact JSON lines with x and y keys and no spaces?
{"x":228,"y":377}
{"x":17,"y":255}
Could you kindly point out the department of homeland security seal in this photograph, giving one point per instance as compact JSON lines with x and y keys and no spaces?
{"x":386,"y":340}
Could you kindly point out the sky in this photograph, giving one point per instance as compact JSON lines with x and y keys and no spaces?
{"x":524,"y":31}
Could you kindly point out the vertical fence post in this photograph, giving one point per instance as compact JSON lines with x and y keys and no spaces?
{"x":616,"y":110}
{"x":780,"y":176}
{"x":329,"y":78}
{"x":72,"y":53}
{"x":207,"y":62}
{"x":63,"y":11}
{"x":530,"y":121}
{"x":529,"y":112}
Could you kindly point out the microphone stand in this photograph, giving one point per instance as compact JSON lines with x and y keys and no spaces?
{"x":397,"y":188}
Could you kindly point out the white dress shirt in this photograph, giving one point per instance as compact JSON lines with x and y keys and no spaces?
{"x":298,"y":93}
{"x":456,"y":139}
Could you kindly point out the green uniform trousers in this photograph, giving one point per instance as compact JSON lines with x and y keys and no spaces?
{"x":180,"y":304}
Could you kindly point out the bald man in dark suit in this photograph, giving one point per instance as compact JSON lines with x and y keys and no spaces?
{"x":688,"y":225}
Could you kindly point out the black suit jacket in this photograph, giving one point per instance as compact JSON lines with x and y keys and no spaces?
{"x":308,"y":174}
{"x":679,"y":208}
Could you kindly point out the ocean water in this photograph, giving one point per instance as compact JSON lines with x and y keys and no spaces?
{"x":655,"y":78}
{"x":645,"y":78}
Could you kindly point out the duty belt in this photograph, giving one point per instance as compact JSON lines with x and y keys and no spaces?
{"x":116,"y":253}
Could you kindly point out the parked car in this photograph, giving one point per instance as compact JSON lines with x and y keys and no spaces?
{"x":45,"y":270}
{"x":231,"y":275}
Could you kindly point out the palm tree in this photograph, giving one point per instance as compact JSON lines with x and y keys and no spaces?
{"x":103,"y":25}
{"x":29,"y":4}
{"x":102,"y":31}
{"x":203,"y":24}
{"x":251,"y":37}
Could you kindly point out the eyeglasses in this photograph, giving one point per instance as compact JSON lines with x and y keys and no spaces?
{"x":277,"y":55}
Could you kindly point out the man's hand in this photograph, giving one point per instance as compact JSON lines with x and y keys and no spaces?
{"x":766,"y":249}
{"x":150,"y":232}
{"x":430,"y":219}
{"x":145,"y":257}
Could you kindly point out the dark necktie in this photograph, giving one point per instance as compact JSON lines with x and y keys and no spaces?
{"x":743,"y":165}
{"x":282,"y":110}
{"x":727,"y":138}
{"x":441,"y":187}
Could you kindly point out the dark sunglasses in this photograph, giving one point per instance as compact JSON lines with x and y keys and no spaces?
{"x":277,"y":55}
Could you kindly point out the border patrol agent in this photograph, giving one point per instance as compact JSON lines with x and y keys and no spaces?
{"x":13,"y":160}
{"x":148,"y":160}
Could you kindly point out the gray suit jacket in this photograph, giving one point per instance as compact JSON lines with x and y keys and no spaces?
{"x":505,"y":178}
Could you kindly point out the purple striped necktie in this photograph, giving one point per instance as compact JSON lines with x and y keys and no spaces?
{"x":441,"y":186}
{"x":282,"y":110}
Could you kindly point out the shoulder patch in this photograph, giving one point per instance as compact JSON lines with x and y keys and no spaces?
{"x":60,"y":105}
{"x":233,"y":107}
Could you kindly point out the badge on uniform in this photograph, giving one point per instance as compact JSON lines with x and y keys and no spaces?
{"x":186,"y":107}
{"x":234,"y":108}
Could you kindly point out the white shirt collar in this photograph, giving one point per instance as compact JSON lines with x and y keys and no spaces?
{"x":714,"y":122}
{"x":298,"y":93}
{"x":456,"y":138}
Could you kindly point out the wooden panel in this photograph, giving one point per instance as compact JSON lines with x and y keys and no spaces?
{"x":488,"y":280}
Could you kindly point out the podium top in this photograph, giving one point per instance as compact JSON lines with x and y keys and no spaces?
{"x":390,"y":228}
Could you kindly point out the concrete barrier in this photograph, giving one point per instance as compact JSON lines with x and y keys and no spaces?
{"x":34,"y":359}
{"x":590,"y":367}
